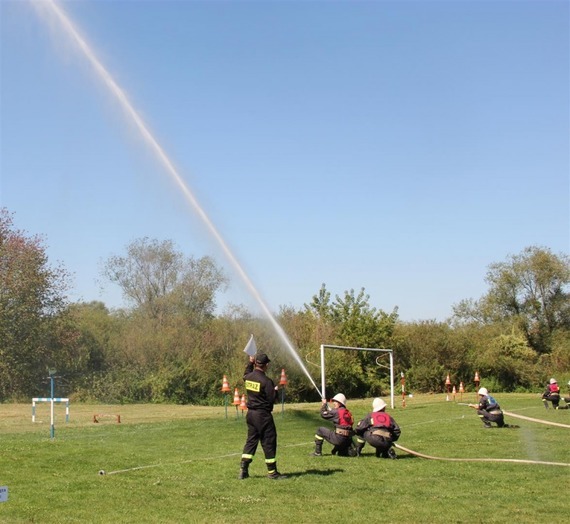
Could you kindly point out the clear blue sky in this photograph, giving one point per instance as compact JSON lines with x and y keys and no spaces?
{"x":399,"y":146}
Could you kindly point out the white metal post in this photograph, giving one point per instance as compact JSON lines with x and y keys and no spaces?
{"x":392,"y":378}
{"x":52,"y":427}
{"x":323,"y":394}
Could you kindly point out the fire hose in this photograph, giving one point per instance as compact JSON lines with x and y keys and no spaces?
{"x":517,"y":461}
{"x":536,"y":420}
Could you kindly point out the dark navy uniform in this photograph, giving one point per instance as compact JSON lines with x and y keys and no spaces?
{"x":261,"y":396}
{"x":552,"y":394}
{"x":490,"y":411}
{"x":341,"y":436}
{"x":380,"y":431}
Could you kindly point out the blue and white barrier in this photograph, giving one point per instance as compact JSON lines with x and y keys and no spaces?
{"x":48,"y":399}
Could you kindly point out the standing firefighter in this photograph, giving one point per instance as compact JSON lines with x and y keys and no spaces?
{"x":261,"y":395}
{"x":341,"y":436}
{"x":489,"y":410}
{"x":378,"y":429}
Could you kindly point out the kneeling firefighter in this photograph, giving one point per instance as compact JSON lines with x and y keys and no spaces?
{"x":341,"y":436}
{"x":378,"y":429}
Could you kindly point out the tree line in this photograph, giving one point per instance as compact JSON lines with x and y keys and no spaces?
{"x":170,"y":345}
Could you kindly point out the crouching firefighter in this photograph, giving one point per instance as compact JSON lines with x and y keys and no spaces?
{"x":489,"y":410}
{"x":378,"y":429}
{"x":341,"y":436}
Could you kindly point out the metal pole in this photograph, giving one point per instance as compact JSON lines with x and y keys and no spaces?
{"x":392,"y":378}
{"x":226,"y":404}
{"x":323,"y":394}
{"x":52,"y":428}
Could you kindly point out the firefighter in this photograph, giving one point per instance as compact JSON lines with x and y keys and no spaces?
{"x":378,"y":429}
{"x":261,"y":395}
{"x":341,"y":436}
{"x":489,"y":410}
{"x":551,"y":394}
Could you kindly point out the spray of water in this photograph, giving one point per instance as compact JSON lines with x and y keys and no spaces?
{"x":151,"y":141}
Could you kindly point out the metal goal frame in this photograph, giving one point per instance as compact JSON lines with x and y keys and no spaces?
{"x":380,"y":350}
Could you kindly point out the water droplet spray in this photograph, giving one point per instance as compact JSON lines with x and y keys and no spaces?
{"x":151,"y":141}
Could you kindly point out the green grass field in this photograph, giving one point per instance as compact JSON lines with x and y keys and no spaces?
{"x":174,"y":464}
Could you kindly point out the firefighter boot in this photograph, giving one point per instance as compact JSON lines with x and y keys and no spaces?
{"x":272,"y":472}
{"x":318,"y":449}
{"x":244,"y":469}
{"x":391,"y":454}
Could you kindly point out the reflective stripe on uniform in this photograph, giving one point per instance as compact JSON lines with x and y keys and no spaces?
{"x":253,"y":386}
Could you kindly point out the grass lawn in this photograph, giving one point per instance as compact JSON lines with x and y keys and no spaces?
{"x":174,"y":464}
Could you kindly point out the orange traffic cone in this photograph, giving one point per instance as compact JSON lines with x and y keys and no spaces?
{"x":283,"y":379}
{"x":477,"y":381}
{"x":242,"y":404}
{"x":453,"y":392}
{"x":225,"y":385}
{"x":447,"y":385}
{"x":461,"y":391}
{"x":236,"y":401}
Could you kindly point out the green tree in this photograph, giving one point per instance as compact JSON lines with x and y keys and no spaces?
{"x":531,"y":291}
{"x":32,"y":301}
{"x":351,"y":321}
{"x":161,"y":282}
{"x":509,"y":360}
{"x":358,"y":323}
{"x":427,"y":351}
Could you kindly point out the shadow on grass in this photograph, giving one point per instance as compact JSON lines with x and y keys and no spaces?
{"x":318,"y":472}
{"x":381,"y":459}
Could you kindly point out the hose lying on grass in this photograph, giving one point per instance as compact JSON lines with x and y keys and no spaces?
{"x":547,"y":422}
{"x":517,"y":461}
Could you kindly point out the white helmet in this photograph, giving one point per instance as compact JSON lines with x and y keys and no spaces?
{"x":340,"y":398}
{"x":553,"y":381}
{"x":483,"y":391}
{"x":378,"y":404}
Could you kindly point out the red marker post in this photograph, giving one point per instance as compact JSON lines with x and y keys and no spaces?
{"x":242,"y":404}
{"x":236,"y":401}
{"x":283,"y":383}
{"x":403,"y":384}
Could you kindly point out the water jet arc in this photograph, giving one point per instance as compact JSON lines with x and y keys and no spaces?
{"x":149,"y":138}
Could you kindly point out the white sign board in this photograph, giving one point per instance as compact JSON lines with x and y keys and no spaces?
{"x":251,"y":348}
{"x":3,"y":493}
